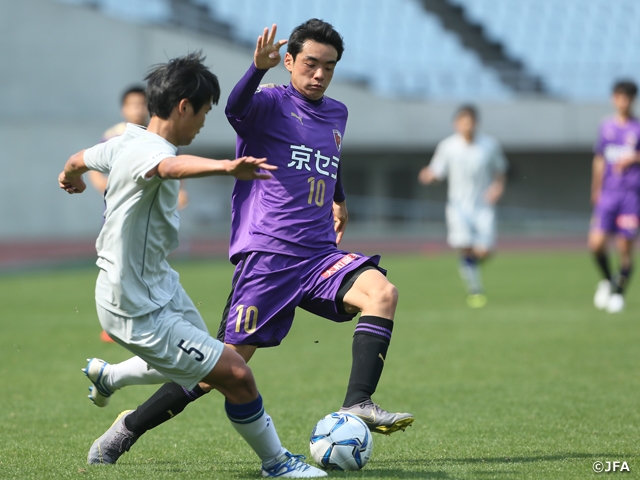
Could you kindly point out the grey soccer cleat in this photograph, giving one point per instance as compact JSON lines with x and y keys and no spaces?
{"x":113,"y":443}
{"x":292,"y":466}
{"x":379,"y":420}
{"x":95,"y":370}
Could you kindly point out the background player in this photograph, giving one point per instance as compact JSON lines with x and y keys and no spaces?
{"x":139,"y":299}
{"x":133,"y":109}
{"x":284,"y":232}
{"x":615,"y":194}
{"x":474,"y":165}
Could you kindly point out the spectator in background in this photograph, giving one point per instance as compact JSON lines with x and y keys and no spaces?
{"x":474,"y":165}
{"x":615,"y":194}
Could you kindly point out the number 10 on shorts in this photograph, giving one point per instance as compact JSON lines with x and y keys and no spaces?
{"x":250,"y":317}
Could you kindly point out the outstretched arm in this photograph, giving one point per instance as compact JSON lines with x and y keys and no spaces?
{"x":70,"y":179}
{"x":266,"y":56}
{"x":496,"y":189}
{"x":190,"y":166}
{"x":426,"y":176}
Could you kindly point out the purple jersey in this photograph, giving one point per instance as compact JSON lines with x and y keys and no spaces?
{"x":292,"y":213}
{"x":615,"y":141}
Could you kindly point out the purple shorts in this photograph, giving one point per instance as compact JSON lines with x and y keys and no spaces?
{"x":617,"y":212}
{"x":267,"y":288}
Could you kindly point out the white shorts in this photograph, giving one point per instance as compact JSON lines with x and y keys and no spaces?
{"x":173,"y":339}
{"x":471,"y":227}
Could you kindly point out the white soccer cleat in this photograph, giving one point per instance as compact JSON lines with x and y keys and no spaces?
{"x":113,"y":443}
{"x":603,"y":293}
{"x":292,"y":466}
{"x":616,"y":303}
{"x":96,"y":370}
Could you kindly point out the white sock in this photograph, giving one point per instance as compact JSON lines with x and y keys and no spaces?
{"x":134,"y":371}
{"x":261,"y":435}
{"x":471,"y":276}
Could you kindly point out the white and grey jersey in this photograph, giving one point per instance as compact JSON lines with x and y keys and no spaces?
{"x":140,"y":226}
{"x":468,"y":167}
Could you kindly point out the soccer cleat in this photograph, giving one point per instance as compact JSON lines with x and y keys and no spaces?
{"x":477,"y":300}
{"x":95,"y":370}
{"x":615,"y":303}
{"x":379,"y":420}
{"x":292,"y":466}
{"x":107,"y":449}
{"x":603,"y":293}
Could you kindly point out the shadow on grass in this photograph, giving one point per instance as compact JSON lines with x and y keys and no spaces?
{"x":416,"y":468}
{"x":537,"y":458}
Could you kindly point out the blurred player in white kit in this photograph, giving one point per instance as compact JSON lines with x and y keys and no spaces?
{"x":474,"y":166}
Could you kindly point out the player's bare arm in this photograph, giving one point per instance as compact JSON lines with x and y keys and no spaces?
{"x":340,"y":219}
{"x":496,"y":189}
{"x":597,"y":170}
{"x":426,"y":176}
{"x":190,"y":166}
{"x":70,"y":179}
{"x":267,"y":54}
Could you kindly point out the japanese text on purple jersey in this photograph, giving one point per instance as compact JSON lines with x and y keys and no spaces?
{"x":301,"y":158}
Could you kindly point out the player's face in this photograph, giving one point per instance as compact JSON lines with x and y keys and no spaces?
{"x":192,"y":122}
{"x":134,"y":109}
{"x":622,"y":103}
{"x":312,"y":69}
{"x":465,"y":125}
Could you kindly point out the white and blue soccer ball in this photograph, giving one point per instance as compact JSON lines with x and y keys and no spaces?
{"x":341,"y":441}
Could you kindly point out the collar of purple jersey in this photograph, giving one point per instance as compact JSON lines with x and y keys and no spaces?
{"x":297,"y":94}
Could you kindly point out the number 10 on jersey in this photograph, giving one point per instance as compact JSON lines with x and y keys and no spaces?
{"x":316,"y":191}
{"x":248,"y":317}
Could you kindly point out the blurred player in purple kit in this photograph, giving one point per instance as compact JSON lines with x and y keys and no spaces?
{"x":615,"y":194}
{"x":285,"y":232}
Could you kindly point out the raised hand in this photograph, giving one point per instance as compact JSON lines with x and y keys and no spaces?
{"x":267,"y":54}
{"x":248,"y":168}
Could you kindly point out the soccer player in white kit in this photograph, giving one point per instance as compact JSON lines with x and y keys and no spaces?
{"x":140,"y":301}
{"x":474,"y":165}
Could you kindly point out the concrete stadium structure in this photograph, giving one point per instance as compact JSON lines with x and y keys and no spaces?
{"x":65,"y":66}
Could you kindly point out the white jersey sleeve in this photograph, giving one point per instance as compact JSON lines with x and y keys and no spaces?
{"x":148,"y":162}
{"x":100,"y":156}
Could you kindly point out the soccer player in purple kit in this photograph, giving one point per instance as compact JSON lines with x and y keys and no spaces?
{"x":615,"y":194}
{"x":284,"y":233}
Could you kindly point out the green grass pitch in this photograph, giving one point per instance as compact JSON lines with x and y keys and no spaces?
{"x":538,"y":384}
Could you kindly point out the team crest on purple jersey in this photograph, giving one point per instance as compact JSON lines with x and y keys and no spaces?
{"x":337,"y":136}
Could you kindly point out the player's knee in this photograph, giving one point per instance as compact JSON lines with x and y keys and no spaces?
{"x":242,"y":386}
{"x":596,"y":243}
{"x":387,"y":294}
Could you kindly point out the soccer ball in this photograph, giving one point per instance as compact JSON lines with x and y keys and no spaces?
{"x":341,"y":441}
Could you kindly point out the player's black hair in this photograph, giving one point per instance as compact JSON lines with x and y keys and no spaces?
{"x":467,"y":109}
{"x":317,"y":30}
{"x":626,"y":87}
{"x":179,"y":78}
{"x":132,"y":89}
